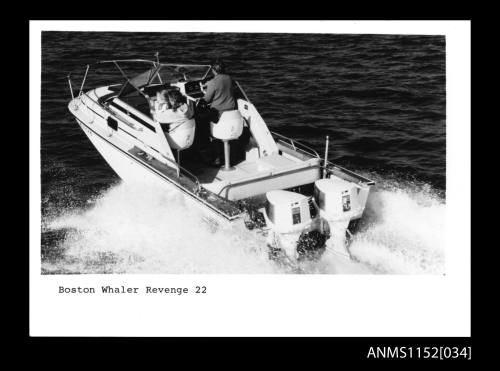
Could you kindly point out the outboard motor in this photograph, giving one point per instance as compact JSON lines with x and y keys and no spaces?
{"x":340,"y":202}
{"x":293,"y":231}
{"x":339,"y":199}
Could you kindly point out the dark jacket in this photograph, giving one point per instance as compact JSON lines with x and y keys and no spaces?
{"x":220,"y":93}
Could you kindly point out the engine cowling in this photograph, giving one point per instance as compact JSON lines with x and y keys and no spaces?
{"x":293,"y":229}
{"x":339,"y":199}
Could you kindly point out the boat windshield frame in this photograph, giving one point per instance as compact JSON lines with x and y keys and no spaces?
{"x":176,"y":70}
{"x":186,"y":75}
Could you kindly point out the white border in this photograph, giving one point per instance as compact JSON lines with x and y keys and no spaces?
{"x":269,"y":305}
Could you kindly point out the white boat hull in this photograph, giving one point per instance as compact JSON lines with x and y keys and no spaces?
{"x":128,"y":169}
{"x":135,"y":148}
{"x":131,"y":171}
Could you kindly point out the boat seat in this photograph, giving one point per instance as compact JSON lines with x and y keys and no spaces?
{"x":229,"y":127}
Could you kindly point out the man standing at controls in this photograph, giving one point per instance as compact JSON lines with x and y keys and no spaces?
{"x":219,"y":90}
{"x":219,"y":96}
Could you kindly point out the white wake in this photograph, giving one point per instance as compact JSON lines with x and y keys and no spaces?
{"x":128,"y":229}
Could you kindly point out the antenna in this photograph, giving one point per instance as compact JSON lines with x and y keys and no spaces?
{"x":326,"y":156}
{"x":70,"y":86}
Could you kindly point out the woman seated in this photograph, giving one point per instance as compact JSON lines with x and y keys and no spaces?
{"x":173,"y":109}
{"x":177,"y":121}
{"x":158,"y":103}
{"x":161,"y":103}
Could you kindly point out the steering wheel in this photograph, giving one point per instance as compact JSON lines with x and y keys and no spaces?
{"x":202,"y":87}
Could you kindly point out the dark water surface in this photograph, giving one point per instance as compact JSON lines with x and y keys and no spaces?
{"x":380,"y":98}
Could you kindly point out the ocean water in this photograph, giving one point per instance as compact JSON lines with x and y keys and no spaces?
{"x":380,"y":98}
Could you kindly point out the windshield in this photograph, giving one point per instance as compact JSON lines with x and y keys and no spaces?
{"x":165,"y":74}
{"x":174,"y":73}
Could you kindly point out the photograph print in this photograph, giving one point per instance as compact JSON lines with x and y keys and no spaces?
{"x":275,"y":153}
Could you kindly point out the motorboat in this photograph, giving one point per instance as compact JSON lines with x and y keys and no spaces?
{"x":268,"y":182}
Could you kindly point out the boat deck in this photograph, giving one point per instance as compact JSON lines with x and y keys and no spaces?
{"x":243,"y":169}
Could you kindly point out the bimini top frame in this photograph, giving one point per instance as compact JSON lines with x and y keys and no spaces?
{"x":159,"y":73}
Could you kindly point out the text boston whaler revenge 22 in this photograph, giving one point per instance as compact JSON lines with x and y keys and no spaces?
{"x":268,"y":182}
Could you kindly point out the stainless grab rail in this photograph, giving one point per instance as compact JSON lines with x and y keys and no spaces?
{"x":194,"y":178}
{"x":296,"y":145}
{"x":242,"y":91}
{"x":327,"y":165}
{"x":330,"y":167}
